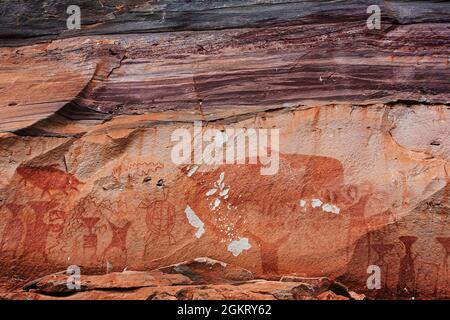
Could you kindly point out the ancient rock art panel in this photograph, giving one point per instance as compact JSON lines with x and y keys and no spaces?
{"x":117,"y":249}
{"x":411,"y":250}
{"x":382,"y":250}
{"x":118,"y":215}
{"x":443,"y":274}
{"x":269,"y":252}
{"x":357,"y":222}
{"x":56,"y":223}
{"x":89,"y":222}
{"x":195,"y":222}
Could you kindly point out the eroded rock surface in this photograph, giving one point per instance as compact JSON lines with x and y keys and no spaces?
{"x":155,"y":285}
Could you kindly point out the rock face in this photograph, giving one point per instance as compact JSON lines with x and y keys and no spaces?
{"x":360,"y":175}
{"x":220,"y":281}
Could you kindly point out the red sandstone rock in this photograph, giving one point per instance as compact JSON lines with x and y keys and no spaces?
{"x":357,"y":296}
{"x":156,"y":285}
{"x":330,"y":295}
{"x":209,"y":271}
{"x":124,"y":280}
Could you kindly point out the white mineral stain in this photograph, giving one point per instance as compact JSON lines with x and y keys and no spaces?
{"x":211,"y":192}
{"x":221,"y":177}
{"x":224,"y":192}
{"x":237,"y":246}
{"x":195,"y":221}
{"x":316,"y":203}
{"x":302,"y":203}
{"x":330,"y":208}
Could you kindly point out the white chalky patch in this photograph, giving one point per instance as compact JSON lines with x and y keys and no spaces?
{"x":302,"y":203}
{"x":237,"y":246}
{"x":195,"y":221}
{"x":216,"y":204}
{"x":330,"y":208}
{"x":316,"y":203}
{"x":211,"y":192}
